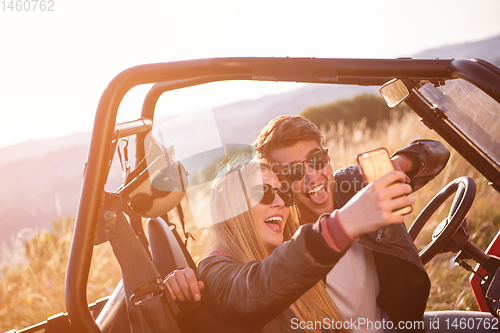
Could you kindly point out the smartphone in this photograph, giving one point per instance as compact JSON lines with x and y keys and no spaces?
{"x":376,"y":163}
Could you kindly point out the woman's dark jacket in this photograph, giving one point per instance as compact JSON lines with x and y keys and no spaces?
{"x":256,"y":295}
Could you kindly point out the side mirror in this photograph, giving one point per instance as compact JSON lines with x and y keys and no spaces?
{"x":394,"y":92}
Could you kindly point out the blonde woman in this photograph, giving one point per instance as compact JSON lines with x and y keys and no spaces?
{"x":252,"y":280}
{"x":265,"y":273}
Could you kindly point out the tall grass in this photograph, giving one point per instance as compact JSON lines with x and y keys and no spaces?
{"x":32,"y":290}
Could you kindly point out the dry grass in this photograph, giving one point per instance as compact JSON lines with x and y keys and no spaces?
{"x":32,"y":290}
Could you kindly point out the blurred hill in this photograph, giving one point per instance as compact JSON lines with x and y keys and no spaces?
{"x":488,"y":49}
{"x":41,"y":180}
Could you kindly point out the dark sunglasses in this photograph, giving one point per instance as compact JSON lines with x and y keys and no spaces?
{"x":295,"y":172}
{"x":267,"y":193}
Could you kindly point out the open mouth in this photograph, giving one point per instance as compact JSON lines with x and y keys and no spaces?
{"x":318,"y":194}
{"x":274,"y":223}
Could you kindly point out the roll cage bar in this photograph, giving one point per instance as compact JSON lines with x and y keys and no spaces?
{"x":181,"y":74}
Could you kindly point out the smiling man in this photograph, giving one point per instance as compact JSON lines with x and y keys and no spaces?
{"x":380,"y":278}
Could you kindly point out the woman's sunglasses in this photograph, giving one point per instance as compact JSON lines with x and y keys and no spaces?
{"x":267,"y":193}
{"x":295,"y":172}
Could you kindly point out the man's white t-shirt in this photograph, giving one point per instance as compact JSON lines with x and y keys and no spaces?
{"x":354,"y":287}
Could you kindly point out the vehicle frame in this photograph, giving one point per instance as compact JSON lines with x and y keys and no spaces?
{"x":183,"y":74}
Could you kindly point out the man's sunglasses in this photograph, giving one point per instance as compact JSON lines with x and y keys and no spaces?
{"x":267,"y":193}
{"x":295,"y":172}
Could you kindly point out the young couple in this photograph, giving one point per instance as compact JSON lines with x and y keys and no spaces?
{"x":297,"y":246}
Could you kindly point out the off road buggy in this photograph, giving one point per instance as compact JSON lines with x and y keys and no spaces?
{"x":457,"y":98}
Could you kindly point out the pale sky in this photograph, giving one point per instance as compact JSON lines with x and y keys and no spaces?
{"x":55,"y":65}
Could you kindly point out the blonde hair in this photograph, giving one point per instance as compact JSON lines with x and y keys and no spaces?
{"x":235,"y":234}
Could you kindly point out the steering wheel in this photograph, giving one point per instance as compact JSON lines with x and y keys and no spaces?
{"x":465,"y":189}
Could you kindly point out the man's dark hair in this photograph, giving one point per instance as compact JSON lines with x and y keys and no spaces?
{"x":285,"y":131}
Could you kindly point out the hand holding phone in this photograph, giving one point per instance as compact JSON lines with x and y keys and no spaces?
{"x":375,"y":164}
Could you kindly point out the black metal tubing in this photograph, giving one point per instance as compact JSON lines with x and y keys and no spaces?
{"x":338,"y":71}
{"x":394,"y":68}
{"x":476,"y":253}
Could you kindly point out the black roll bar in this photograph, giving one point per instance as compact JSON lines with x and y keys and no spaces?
{"x":186,"y":73}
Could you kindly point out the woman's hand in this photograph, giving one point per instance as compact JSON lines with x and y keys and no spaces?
{"x":183,"y":285}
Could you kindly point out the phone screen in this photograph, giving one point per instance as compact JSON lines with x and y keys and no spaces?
{"x":376,"y":163}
